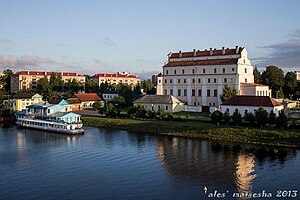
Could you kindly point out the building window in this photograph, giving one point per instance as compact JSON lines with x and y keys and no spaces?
{"x":183,"y":71}
{"x":245,"y":80}
{"x":215,"y":93}
{"x":193,"y":80}
{"x":178,"y":80}
{"x":215,"y":70}
{"x":194,"y":103}
{"x":184,"y":92}
{"x":166,"y":92}
{"x":215,"y":80}
{"x":232,"y":69}
{"x":223,"y":70}
{"x":175,"y":71}
{"x":208,"y":80}
{"x":193,"y":92}
{"x":158,"y":81}
{"x":167,"y":108}
{"x":203,"y":71}
{"x":179,"y":92}
{"x":214,"y":104}
{"x":199,"y":80}
{"x":166,"y":81}
{"x":184,"y":80}
{"x":199,"y":93}
{"x":225,"y":80}
{"x":193,"y":71}
{"x":171,"y":80}
{"x":208,"y":93}
{"x":245,"y":70}
{"x":171,"y":92}
{"x":167,"y":71}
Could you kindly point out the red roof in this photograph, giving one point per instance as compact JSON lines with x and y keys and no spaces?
{"x":46,"y":73}
{"x":216,"y":52}
{"x":88,"y":97}
{"x":202,"y":62}
{"x":245,"y":100}
{"x":116,"y":75}
{"x":254,"y":84}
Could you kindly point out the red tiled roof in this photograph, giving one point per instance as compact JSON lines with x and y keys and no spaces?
{"x":245,"y":100}
{"x":199,"y":53}
{"x":116,"y":75}
{"x":202,"y":62}
{"x":88,"y":97}
{"x":41,"y":73}
{"x":254,"y":84}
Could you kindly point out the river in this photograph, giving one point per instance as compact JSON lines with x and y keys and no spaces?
{"x":114,"y":164}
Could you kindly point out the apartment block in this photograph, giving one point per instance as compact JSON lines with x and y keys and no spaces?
{"x":124,"y":78}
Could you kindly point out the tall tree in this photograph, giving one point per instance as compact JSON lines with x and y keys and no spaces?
{"x":228,"y":92}
{"x":261,"y":116}
{"x":274,"y":77}
{"x":257,"y":75}
{"x":290,"y":84}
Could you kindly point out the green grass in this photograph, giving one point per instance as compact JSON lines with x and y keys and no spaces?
{"x":201,"y":129}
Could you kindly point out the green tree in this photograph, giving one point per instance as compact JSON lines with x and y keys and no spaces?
{"x":91,"y":85}
{"x":272,"y":117}
{"x":274,"y":77}
{"x":148,"y":87}
{"x":236,"y":117}
{"x":216,"y":116}
{"x":290,"y":84}
{"x":257,"y":75}
{"x":228,"y":92}
{"x":250,"y":118}
{"x":118,"y":101}
{"x":110,"y":110}
{"x":226,"y":117}
{"x":261,"y":116}
{"x":282,"y":119}
{"x":97,"y":105}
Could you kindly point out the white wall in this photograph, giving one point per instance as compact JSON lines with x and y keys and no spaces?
{"x":251,"y":109}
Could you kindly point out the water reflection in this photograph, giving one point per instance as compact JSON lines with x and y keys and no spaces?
{"x":215,"y":163}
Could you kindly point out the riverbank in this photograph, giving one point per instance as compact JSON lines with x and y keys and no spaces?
{"x":201,"y":130}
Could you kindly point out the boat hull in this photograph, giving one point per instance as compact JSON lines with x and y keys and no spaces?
{"x":50,"y":129}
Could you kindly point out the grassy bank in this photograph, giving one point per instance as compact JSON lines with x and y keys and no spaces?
{"x":203,"y":130}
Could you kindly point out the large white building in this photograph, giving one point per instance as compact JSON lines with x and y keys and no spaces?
{"x":198,"y":77}
{"x":297,"y":75}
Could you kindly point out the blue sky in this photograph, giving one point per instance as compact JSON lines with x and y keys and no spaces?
{"x":90,"y":37}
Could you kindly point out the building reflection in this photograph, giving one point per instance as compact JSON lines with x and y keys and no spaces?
{"x":232,"y":166}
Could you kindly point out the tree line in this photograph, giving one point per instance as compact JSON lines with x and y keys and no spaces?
{"x":282,"y":85}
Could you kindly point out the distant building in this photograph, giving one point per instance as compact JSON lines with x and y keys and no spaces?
{"x":108,"y":96}
{"x":19,"y":101}
{"x":75,"y":103}
{"x":250,"y":104}
{"x":28,"y":79}
{"x":115,"y":79}
{"x":168,"y":103}
{"x":297,"y":75}
{"x":198,"y":77}
{"x":88,"y":99}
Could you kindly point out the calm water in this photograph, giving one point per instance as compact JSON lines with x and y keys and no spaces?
{"x":114,"y":164}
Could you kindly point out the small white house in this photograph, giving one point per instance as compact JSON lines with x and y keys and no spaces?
{"x":108,"y":96}
{"x":250,"y":104}
{"x":168,"y":103}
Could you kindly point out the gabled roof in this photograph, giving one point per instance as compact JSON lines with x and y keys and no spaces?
{"x":73,"y":101}
{"x":216,"y":52}
{"x":202,"y":62}
{"x":22,"y":96}
{"x":245,"y":100}
{"x":62,"y":114}
{"x":158,"y":99}
{"x":88,"y":97}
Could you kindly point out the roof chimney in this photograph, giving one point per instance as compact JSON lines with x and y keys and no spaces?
{"x":194,"y":52}
{"x":180,"y":54}
{"x":236,"y":49}
{"x":223,"y":51}
{"x":210,"y":51}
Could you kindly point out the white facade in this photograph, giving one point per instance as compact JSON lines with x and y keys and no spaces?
{"x":109,"y":96}
{"x":297,"y":75}
{"x":198,"y":77}
{"x":168,"y":108}
{"x":255,"y":89}
{"x":250,"y":109}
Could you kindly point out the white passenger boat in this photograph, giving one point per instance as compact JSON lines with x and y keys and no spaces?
{"x":59,"y":127}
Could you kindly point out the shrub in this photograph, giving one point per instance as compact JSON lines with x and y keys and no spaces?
{"x":216,"y":116}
